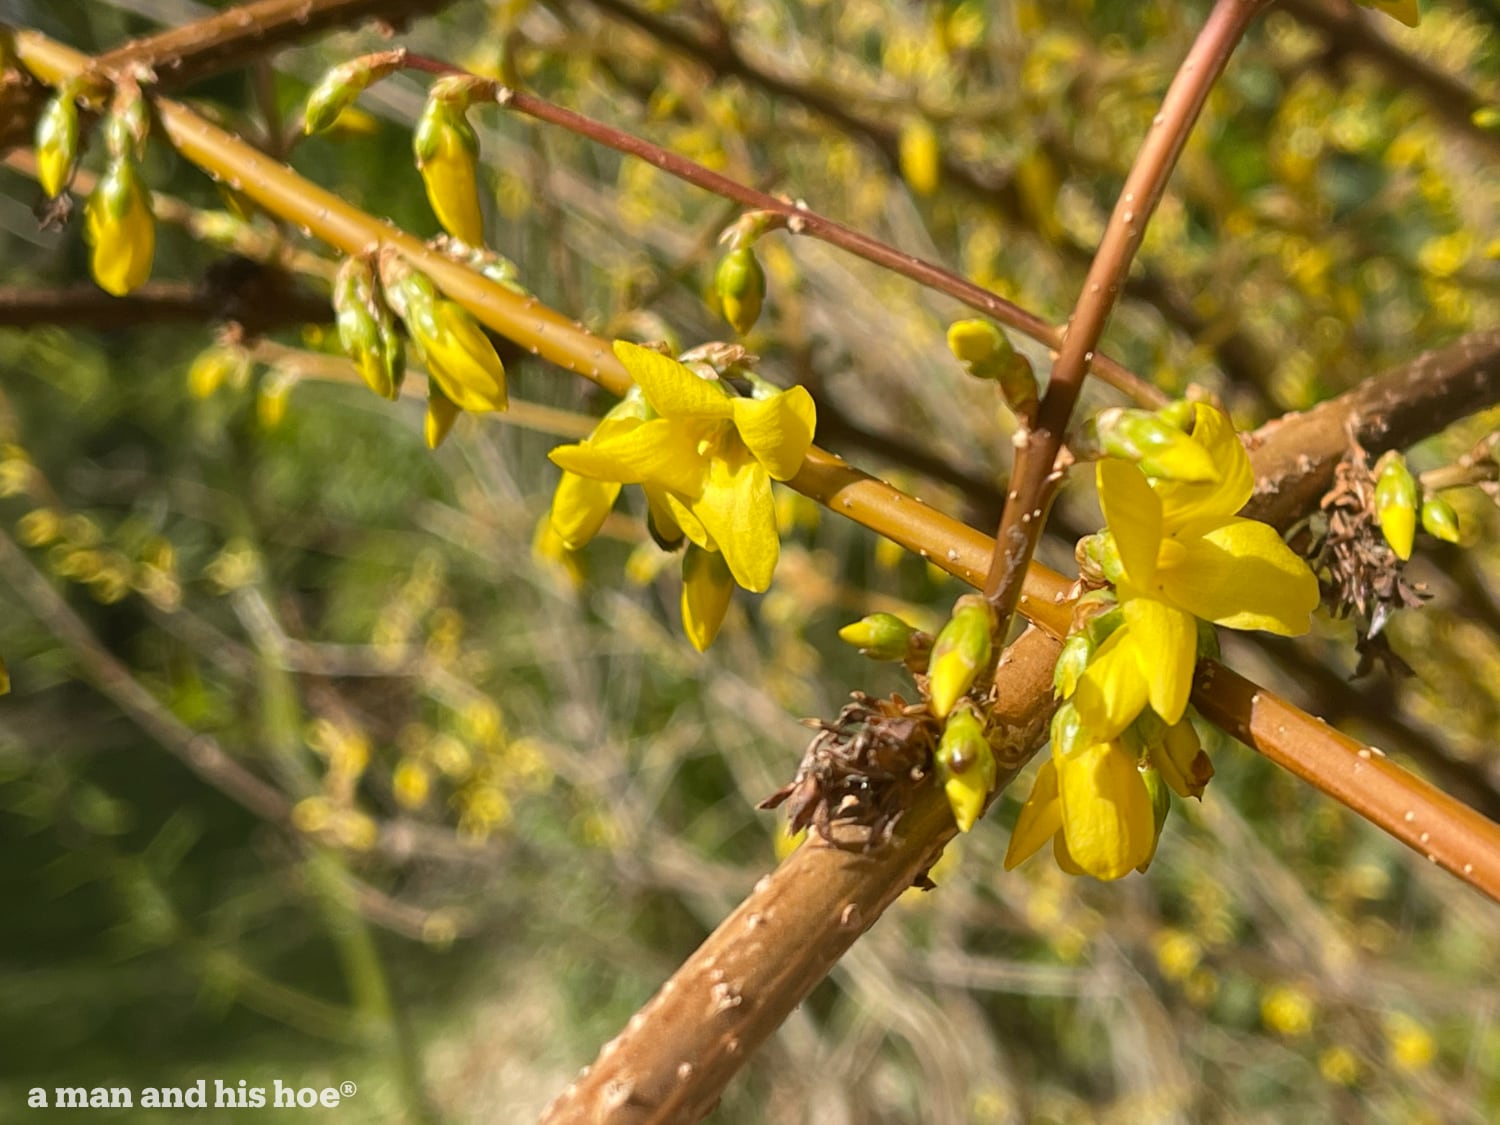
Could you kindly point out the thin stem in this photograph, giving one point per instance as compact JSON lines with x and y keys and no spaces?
{"x":799,"y":219}
{"x":1035,"y":478}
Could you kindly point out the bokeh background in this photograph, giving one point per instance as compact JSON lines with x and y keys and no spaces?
{"x":525,"y":798}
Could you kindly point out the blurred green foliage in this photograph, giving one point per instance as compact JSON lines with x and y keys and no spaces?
{"x":529,"y":799}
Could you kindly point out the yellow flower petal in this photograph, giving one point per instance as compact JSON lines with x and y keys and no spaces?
{"x":672,"y":389}
{"x":778,"y":430}
{"x":707,"y":587}
{"x":1241,"y":575}
{"x":1133,"y":513}
{"x":672,"y":514}
{"x":1040,"y":819}
{"x":1106,"y":810}
{"x":1182,"y":502}
{"x":662,"y":452}
{"x":1166,"y":643}
{"x":1113,"y":689}
{"x":738,"y":512}
{"x":579,"y":508}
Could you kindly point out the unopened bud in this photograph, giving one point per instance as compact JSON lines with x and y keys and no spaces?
{"x":921,"y":160}
{"x":1396,"y":503}
{"x":57,"y":140}
{"x":1071,"y":662}
{"x":367,"y":331}
{"x":880,"y":636}
{"x":213,"y":366}
{"x":1439,"y":519}
{"x":1158,"y":446}
{"x":960,"y":653}
{"x":965,"y":766}
{"x":1178,"y":753}
{"x":120,"y":225}
{"x":741,"y":285}
{"x":338,"y":89}
{"x":447,"y":153}
{"x":986,"y":353}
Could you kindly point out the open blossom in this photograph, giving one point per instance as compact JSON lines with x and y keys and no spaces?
{"x":1095,"y":804}
{"x":1183,"y":555}
{"x":705,"y":457}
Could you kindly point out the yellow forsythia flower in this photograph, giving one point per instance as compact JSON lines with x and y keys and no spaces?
{"x":1184,"y":555}
{"x":706,"y":461}
{"x":121,"y":229}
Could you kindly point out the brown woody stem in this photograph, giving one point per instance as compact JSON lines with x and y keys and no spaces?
{"x":1035,"y":479}
{"x":799,"y":219}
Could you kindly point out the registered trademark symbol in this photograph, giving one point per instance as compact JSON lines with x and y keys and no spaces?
{"x":348,"y":1089}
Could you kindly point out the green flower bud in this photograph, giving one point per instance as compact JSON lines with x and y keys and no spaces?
{"x":1396,"y":503}
{"x":1069,"y":735}
{"x":1071,"y":662}
{"x":1158,"y":446}
{"x":965,"y":765}
{"x":880,"y":636}
{"x":1439,"y":519}
{"x":960,"y":653}
{"x":57,"y":140}
{"x":741,"y":285}
{"x":337,"y":90}
{"x":442,"y":412}
{"x":367,"y":331}
{"x":4,"y":678}
{"x":986,"y":353}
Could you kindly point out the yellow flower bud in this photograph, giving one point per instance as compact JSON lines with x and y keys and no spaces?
{"x":706,"y":589}
{"x":965,"y":766}
{"x":880,"y":636}
{"x":741,"y":285}
{"x":213,"y":366}
{"x":57,"y":141}
{"x":921,"y":162}
{"x":460,"y":357}
{"x":1396,"y":503}
{"x":960,"y":653}
{"x":447,"y":153}
{"x":411,"y":783}
{"x":121,"y":228}
{"x":1439,"y":519}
